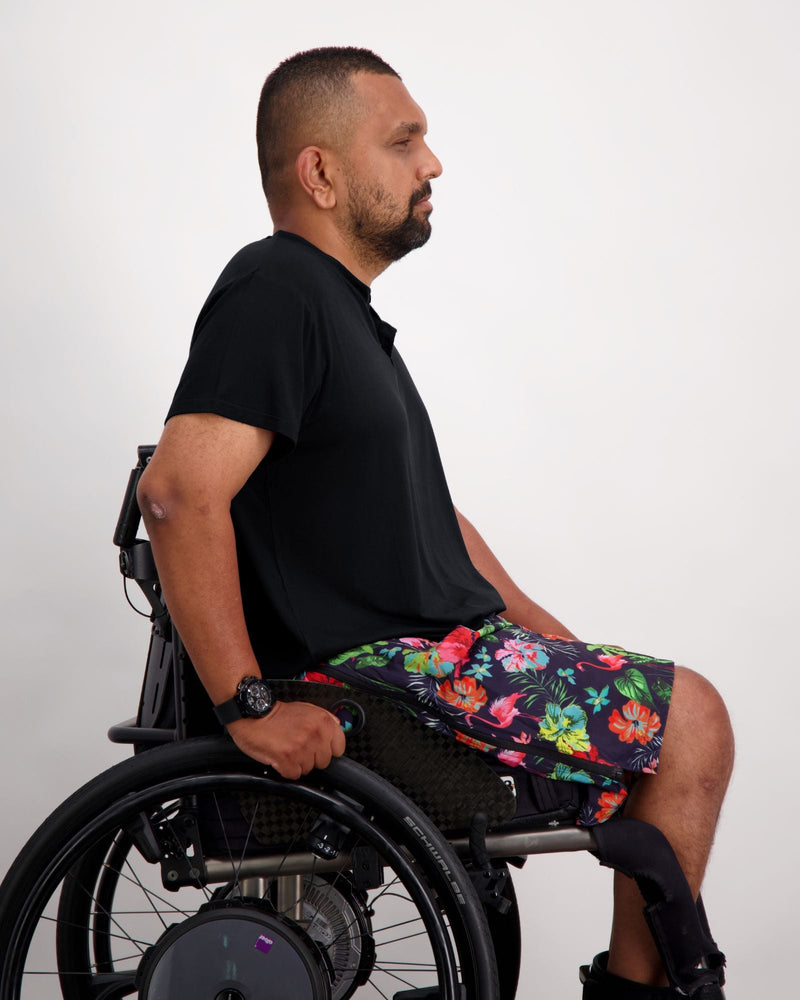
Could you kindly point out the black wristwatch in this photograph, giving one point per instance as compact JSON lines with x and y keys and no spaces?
{"x":253,"y":700}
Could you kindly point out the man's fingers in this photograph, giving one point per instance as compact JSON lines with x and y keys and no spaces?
{"x":322,"y":757}
{"x":293,"y":740}
{"x":290,"y":771}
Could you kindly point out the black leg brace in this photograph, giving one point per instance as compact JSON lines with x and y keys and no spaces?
{"x":692,"y":961}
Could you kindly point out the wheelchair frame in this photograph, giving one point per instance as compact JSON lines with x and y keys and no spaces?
{"x":461,"y":859}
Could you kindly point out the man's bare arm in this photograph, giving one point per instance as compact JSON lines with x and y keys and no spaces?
{"x":200,"y":464}
{"x":520,"y":609}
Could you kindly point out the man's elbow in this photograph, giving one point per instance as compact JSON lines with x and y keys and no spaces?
{"x":165,"y":498}
{"x":153,"y":497}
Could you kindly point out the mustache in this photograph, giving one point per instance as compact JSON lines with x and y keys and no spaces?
{"x":421,"y":193}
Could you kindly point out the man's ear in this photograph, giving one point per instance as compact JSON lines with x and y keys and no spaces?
{"x":314,"y":169}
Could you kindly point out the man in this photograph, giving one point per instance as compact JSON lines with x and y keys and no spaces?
{"x":296,"y":503}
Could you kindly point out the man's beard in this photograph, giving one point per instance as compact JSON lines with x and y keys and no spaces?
{"x":374,"y":227}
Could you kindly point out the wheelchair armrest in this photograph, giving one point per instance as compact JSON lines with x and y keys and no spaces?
{"x":129,"y":732}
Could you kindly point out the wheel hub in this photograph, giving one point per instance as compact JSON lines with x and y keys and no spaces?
{"x":338,"y":921}
{"x":234,"y":951}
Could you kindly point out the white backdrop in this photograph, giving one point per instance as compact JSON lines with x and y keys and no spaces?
{"x":604,"y":327}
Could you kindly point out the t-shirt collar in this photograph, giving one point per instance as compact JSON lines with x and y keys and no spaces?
{"x":385,"y":331}
{"x":364,"y":290}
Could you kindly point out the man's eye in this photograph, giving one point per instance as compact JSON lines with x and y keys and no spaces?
{"x":403,"y":142}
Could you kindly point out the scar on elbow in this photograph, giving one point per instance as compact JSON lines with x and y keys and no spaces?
{"x":155,"y":509}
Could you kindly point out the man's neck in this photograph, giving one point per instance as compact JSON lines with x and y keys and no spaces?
{"x":330,"y":240}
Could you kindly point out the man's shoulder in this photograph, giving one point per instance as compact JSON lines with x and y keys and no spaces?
{"x":283,"y":259}
{"x":280,"y":279}
{"x":264,"y":274}
{"x":266,"y":258}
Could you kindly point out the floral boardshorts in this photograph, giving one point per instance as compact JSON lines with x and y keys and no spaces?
{"x":553,"y":706}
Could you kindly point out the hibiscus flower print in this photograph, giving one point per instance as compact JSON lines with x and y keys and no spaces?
{"x":463,"y":693}
{"x":609,"y":802}
{"x":319,"y":678}
{"x":426,"y":662}
{"x":456,"y":646}
{"x":636,"y":723}
{"x":566,"y":727}
{"x":517,"y":655}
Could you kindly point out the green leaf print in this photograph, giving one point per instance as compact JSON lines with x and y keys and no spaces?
{"x":644,"y":658}
{"x":563,"y":772}
{"x":634,"y":686}
{"x":340,"y":658}
{"x":372,"y":661}
{"x":662,"y":689}
{"x":533,"y":686}
{"x":626,"y":653}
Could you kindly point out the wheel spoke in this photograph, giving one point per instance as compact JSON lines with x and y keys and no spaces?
{"x":123,"y":935}
{"x":150,"y":895}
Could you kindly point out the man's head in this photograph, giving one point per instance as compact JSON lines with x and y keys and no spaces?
{"x":340,"y":136}
{"x":308,"y":100}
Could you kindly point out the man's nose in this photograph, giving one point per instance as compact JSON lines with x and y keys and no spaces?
{"x":430,"y":167}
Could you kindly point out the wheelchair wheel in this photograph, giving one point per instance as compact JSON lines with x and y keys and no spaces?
{"x":191,"y":871}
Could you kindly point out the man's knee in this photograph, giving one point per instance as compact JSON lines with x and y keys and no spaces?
{"x":698,"y":722}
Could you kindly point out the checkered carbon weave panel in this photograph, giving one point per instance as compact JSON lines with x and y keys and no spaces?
{"x":447,"y":780}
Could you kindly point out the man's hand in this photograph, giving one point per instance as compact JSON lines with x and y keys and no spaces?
{"x":294,"y":738}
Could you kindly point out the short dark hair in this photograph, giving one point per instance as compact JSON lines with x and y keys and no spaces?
{"x":304,"y":101}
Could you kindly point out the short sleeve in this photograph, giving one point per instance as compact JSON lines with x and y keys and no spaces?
{"x":253,"y":357}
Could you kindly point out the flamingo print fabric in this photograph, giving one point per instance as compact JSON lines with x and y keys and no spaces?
{"x":560,"y":708}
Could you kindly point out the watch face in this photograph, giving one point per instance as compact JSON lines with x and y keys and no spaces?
{"x":257,"y":697}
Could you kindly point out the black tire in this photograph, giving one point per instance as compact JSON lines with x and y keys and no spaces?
{"x":68,"y":930}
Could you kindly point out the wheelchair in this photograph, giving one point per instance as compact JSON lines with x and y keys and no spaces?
{"x":191,"y":872}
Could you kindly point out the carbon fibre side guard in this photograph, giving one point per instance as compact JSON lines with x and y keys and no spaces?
{"x":693,"y":962}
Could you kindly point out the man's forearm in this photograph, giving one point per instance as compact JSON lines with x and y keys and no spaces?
{"x":519,"y":607}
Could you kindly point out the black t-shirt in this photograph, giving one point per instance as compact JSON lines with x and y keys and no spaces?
{"x":346,"y":531}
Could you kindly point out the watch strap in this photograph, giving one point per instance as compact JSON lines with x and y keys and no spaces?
{"x":229,"y":711}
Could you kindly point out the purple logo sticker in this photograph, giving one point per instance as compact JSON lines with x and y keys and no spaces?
{"x":264,"y":943}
